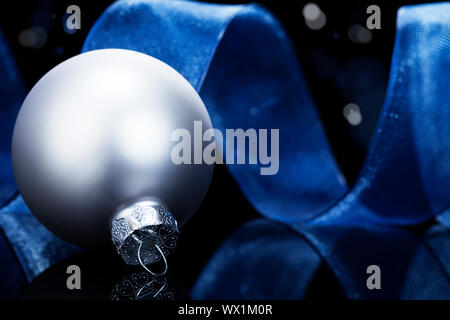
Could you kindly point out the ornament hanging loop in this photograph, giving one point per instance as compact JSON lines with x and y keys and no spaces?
{"x":144,"y":232}
{"x":145,"y":267}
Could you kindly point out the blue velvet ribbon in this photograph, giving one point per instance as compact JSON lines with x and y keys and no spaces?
{"x":241,"y":62}
{"x":244,"y":67}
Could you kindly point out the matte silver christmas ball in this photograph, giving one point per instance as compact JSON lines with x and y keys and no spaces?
{"x":92,"y":150}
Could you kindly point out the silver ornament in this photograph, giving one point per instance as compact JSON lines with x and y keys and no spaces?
{"x":92,"y":151}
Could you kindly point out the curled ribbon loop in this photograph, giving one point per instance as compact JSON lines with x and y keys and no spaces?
{"x":244,"y":67}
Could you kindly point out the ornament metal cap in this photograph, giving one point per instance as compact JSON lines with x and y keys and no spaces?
{"x":144,"y":233}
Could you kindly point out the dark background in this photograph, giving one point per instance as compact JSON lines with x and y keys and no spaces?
{"x":338,"y":71}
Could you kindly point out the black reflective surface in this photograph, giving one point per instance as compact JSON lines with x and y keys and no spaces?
{"x":103,"y":276}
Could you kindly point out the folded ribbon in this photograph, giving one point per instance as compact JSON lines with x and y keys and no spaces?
{"x":243,"y":65}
